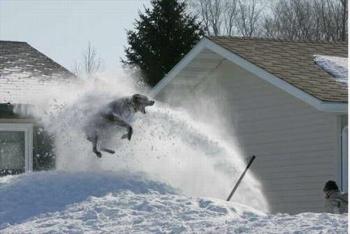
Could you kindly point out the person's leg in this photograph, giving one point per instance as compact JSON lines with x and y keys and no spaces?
{"x":108,"y":150}
{"x":94,"y":146}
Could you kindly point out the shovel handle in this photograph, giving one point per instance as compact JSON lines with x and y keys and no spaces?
{"x":240,"y":178}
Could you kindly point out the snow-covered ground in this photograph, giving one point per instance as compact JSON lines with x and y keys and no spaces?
{"x":124,"y":202}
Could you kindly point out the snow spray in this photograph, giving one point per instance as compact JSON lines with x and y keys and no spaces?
{"x":167,"y":144}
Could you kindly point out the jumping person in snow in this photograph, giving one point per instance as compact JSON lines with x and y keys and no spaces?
{"x":117,"y":113}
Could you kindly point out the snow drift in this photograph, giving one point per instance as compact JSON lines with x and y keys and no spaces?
{"x":124,"y":202}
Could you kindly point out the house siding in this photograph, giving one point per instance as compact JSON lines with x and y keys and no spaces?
{"x":297,"y":146}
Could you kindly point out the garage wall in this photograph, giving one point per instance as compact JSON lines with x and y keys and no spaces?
{"x":297,"y":147}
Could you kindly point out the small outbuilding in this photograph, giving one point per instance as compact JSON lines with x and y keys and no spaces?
{"x":277,"y":100}
{"x":24,"y":72}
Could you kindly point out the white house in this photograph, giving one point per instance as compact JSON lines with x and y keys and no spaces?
{"x":24,"y":72}
{"x":279,"y":105}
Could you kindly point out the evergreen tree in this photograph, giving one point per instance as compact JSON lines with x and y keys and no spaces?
{"x":162,"y":36}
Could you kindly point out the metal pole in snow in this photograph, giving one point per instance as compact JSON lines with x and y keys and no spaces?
{"x":240,"y":178}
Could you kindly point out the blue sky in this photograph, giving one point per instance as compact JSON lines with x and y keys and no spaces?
{"x":61,"y":29}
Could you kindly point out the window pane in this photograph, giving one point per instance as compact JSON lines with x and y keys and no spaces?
{"x":12,"y":156}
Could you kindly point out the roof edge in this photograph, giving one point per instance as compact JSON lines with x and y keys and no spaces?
{"x":67,"y":71}
{"x":206,"y":43}
{"x":9,"y":41}
{"x":178,"y":67}
{"x":71,"y":74}
{"x":277,"y":40}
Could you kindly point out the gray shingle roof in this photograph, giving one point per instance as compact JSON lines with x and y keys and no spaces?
{"x":293,"y":62}
{"x":20,"y":57}
{"x":24,"y":69}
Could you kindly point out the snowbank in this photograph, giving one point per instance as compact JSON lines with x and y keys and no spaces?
{"x":91,"y":202}
{"x":336,"y":66}
{"x":28,"y":195}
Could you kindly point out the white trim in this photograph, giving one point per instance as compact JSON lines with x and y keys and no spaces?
{"x":259,"y":72}
{"x":178,"y":67}
{"x":27,"y":128}
{"x":344,"y":159}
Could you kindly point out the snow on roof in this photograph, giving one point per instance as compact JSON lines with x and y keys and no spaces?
{"x":290,"y":61}
{"x":336,"y":66}
{"x":26,"y":72}
{"x":22,"y":88}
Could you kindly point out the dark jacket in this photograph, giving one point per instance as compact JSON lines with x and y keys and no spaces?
{"x":336,"y":202}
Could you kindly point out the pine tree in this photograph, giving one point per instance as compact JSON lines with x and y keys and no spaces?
{"x":162,"y":36}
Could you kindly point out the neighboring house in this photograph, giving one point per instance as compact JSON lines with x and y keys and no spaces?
{"x":24,"y":72}
{"x":278,"y":104}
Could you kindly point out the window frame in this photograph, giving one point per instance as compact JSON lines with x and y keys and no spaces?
{"x":27,"y":128}
{"x":344,"y":159}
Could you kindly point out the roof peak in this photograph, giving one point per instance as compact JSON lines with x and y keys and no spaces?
{"x":20,"y":58}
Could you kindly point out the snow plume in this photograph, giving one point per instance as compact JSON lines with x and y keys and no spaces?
{"x":167,"y":145}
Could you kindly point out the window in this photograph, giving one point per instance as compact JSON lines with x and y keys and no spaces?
{"x":16,"y":148}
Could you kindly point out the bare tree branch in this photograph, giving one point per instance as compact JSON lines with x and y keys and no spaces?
{"x":308,"y":20}
{"x":248,"y":17}
{"x":229,"y":17}
{"x":90,"y":63}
